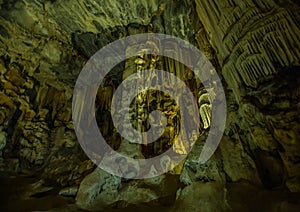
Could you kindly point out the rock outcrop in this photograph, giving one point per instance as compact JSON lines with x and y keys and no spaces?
{"x":254,"y":46}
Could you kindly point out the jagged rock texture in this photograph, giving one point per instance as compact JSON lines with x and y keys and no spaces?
{"x":254,"y":46}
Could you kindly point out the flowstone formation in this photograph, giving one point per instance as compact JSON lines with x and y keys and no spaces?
{"x":254,"y":46}
{"x":257,"y":46}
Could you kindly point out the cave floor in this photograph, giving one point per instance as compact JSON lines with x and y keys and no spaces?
{"x":14,"y":196}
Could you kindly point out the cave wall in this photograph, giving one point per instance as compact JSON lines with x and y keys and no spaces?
{"x":257,"y":46}
{"x":254,"y":46}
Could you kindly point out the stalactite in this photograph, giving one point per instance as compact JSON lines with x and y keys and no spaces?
{"x":205,"y":113}
{"x":274,"y":36}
